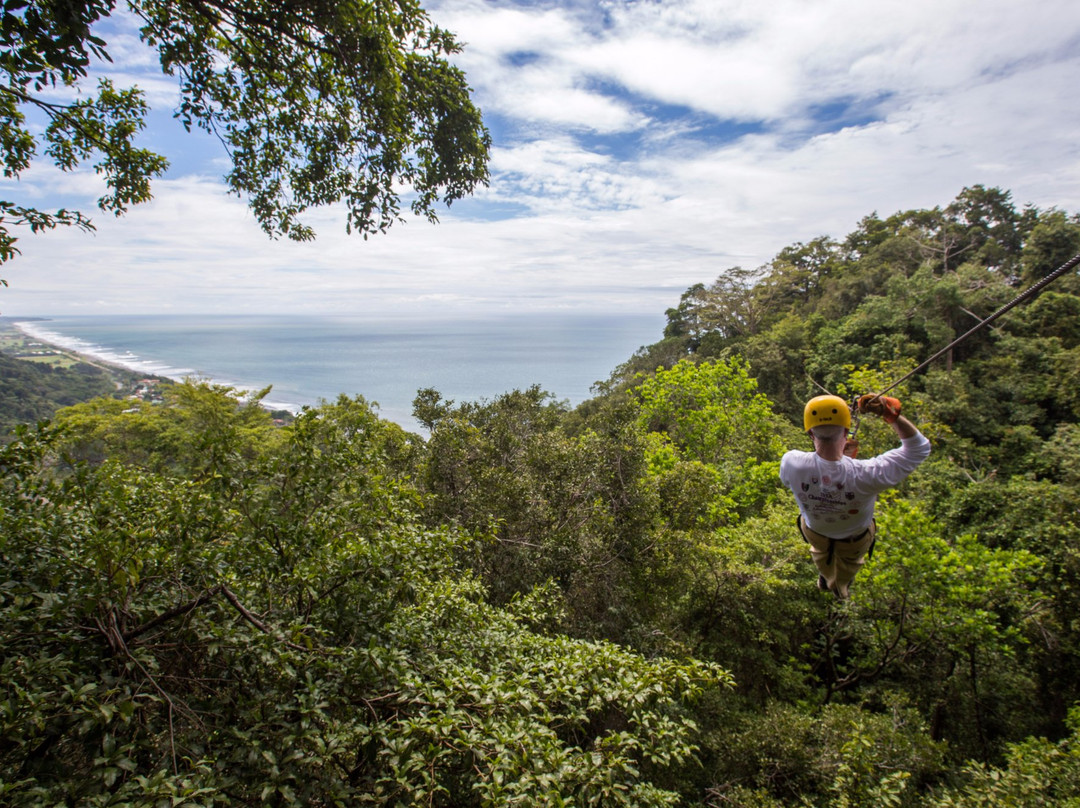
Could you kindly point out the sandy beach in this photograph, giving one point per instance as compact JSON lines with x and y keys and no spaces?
{"x":72,"y":350}
{"x":26,"y":339}
{"x":31,"y":340}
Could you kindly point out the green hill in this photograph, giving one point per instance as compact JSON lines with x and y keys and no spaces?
{"x":600,"y":606}
{"x":37,"y":380}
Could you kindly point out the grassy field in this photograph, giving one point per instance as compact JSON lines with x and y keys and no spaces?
{"x":14,"y":343}
{"x":37,"y":379}
{"x":17,"y":345}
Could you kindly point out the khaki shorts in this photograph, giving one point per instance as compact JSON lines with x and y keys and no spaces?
{"x":838,"y":559}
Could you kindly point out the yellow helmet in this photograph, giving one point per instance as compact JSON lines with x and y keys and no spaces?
{"x":826,"y":411}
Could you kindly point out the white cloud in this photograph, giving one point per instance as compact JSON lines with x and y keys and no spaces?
{"x":752,"y":60}
{"x":614,"y":200}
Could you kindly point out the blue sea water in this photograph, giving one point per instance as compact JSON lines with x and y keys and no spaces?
{"x":308,"y":359}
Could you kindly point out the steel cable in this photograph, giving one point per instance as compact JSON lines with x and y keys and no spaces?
{"x":1033,"y":290}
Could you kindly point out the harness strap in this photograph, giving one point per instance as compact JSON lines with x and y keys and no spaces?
{"x":832,"y":541}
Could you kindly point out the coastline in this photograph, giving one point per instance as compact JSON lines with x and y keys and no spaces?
{"x":311,"y":359}
{"x":37,"y":330}
{"x":127,"y":363}
{"x":47,"y":339}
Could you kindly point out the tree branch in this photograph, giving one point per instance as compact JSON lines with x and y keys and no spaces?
{"x":54,"y":111}
{"x":247,"y":615}
{"x":177,"y":611}
{"x":119,"y":641}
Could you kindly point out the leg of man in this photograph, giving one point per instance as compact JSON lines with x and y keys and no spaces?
{"x":838,"y":566}
{"x":849,"y":558}
{"x":819,"y":553}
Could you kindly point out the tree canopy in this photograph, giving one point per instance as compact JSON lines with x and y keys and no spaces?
{"x":599,"y":606}
{"x":314,"y":102}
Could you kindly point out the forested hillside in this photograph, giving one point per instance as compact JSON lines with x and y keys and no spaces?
{"x":610,"y":605}
{"x":31,"y":391}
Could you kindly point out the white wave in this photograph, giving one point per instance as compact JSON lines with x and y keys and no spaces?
{"x":90,"y":350}
{"x":131,"y":361}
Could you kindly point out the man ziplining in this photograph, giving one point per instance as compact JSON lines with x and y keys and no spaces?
{"x":836,"y":492}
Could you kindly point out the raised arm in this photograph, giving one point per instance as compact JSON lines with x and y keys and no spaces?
{"x":904,"y":428}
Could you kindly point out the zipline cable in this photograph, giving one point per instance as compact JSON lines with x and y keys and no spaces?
{"x":1033,"y":290}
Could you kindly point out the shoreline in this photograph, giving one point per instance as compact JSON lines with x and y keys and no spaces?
{"x":129,"y":363}
{"x":64,"y":350}
{"x":314,"y":359}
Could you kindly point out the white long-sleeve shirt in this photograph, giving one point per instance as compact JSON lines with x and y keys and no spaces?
{"x":837,"y":498}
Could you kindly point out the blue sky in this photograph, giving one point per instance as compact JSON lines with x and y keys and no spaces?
{"x":639,"y":148}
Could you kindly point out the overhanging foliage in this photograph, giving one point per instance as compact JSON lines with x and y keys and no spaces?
{"x":314,"y":102}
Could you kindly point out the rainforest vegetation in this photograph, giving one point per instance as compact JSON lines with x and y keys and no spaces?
{"x":30,"y":391}
{"x":606,"y":605}
{"x":33,"y":387}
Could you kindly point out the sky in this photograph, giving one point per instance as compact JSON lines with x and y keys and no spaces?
{"x":639,"y":148}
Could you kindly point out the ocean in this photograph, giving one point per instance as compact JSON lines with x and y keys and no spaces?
{"x":310,"y":358}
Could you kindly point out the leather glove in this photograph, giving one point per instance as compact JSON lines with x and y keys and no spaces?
{"x":885,"y":406}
